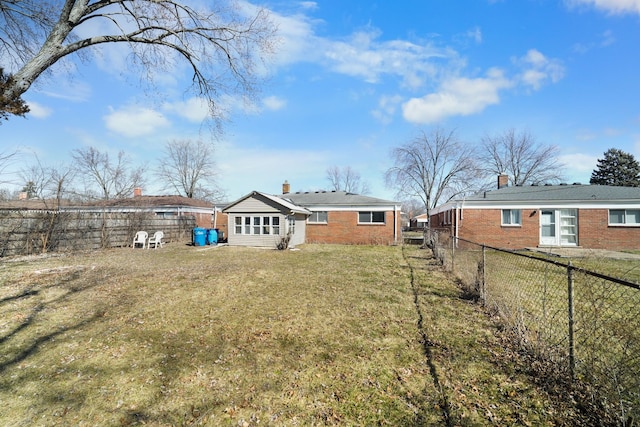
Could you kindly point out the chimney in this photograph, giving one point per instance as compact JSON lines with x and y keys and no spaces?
{"x":503,"y":181}
{"x":286,"y":188}
{"x":137,"y":192}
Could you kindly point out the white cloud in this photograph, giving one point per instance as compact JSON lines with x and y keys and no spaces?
{"x":135,"y":121}
{"x":361,"y":54}
{"x":538,"y":69}
{"x":38,"y":111}
{"x":457,"y":96}
{"x":387,"y":106}
{"x":194,"y":110}
{"x":610,"y":6}
{"x":274,"y":103}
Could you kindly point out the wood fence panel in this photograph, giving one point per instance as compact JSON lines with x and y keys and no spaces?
{"x":32,"y":232}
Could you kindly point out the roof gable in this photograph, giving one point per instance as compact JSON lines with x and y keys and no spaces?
{"x":285,"y":206}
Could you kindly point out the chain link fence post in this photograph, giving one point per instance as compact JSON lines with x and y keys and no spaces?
{"x":572,"y":359}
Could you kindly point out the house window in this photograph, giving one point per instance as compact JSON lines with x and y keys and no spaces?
{"x":511,"y":217}
{"x":257,"y":225}
{"x":369,"y":217}
{"x":319,"y":217}
{"x":624,"y":217}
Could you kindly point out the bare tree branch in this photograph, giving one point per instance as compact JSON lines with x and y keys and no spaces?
{"x":222,"y":46}
{"x":433,"y":168}
{"x":104,"y":178}
{"x":346,"y":179}
{"x":521,"y":157}
{"x":188,"y":168}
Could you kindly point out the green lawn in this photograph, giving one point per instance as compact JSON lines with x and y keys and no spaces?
{"x":324,"y":335}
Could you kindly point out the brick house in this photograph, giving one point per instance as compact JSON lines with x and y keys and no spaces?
{"x":589,"y":216}
{"x":263,"y":220}
{"x":331,"y":216}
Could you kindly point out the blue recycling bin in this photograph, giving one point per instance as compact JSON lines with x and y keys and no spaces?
{"x":212,"y":236}
{"x":199,"y":236}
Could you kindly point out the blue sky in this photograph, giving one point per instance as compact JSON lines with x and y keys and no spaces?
{"x":350,"y":80}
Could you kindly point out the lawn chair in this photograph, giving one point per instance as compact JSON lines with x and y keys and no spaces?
{"x":156,"y":240}
{"x":140,"y":239}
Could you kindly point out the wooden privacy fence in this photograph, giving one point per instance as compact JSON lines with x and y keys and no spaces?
{"x":34,"y":232}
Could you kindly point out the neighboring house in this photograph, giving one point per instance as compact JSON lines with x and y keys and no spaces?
{"x":347,"y":218}
{"x":204,"y":212}
{"x":320,"y":217}
{"x":263,"y":220}
{"x":169,"y":207}
{"x":589,"y":216}
{"x":420,"y":221}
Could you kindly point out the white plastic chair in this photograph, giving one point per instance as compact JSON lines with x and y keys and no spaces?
{"x":140,"y":239}
{"x":156,"y":240}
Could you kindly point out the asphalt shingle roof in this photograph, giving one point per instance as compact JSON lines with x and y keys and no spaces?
{"x":333,"y":198}
{"x":574,"y":192}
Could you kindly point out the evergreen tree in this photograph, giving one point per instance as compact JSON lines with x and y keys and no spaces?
{"x":617,"y":168}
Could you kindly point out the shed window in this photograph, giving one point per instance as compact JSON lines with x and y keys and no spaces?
{"x":369,"y":217}
{"x":257,"y":225}
{"x":624,"y":216}
{"x":511,"y":217}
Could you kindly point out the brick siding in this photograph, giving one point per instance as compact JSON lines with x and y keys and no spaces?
{"x":484,"y":226}
{"x":342,"y":228}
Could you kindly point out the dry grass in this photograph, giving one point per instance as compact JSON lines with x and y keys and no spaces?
{"x":327,"y":335}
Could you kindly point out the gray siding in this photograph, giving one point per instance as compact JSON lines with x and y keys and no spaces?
{"x":300,"y":233}
{"x":255,"y":205}
{"x":259,"y":240}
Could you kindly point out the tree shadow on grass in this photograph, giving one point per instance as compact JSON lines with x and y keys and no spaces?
{"x":427,"y":346}
{"x":31,"y":346}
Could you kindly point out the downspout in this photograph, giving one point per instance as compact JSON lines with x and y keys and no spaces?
{"x":395,"y":224}
{"x":459,"y":205}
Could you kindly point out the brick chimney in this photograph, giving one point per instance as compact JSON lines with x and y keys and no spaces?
{"x":137,"y":192}
{"x":503,"y":181}
{"x":286,"y":188}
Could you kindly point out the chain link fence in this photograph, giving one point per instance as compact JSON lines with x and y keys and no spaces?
{"x":584,"y":322}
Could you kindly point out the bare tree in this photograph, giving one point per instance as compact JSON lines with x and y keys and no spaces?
{"x":221,"y":45}
{"x":346,"y":179}
{"x":521,"y":157}
{"x":6,"y":160}
{"x":46,"y":181}
{"x":104,"y":178}
{"x":433,"y":168}
{"x":188,"y":168}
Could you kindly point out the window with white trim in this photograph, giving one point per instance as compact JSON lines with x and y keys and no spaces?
{"x":511,"y":217}
{"x":319,"y":217}
{"x":371,"y":217}
{"x":257,"y":225}
{"x":624,"y":216}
